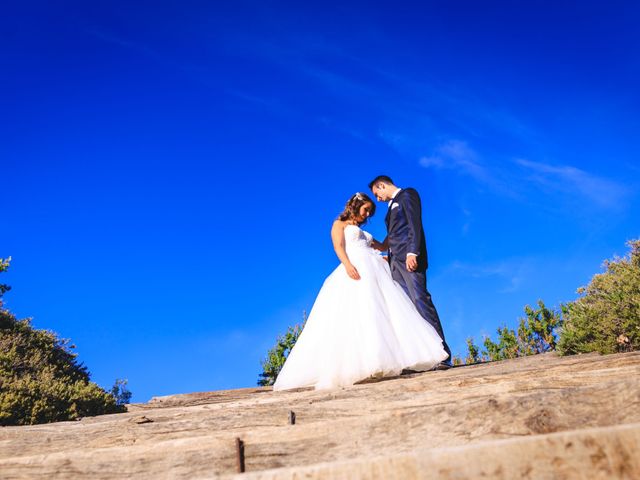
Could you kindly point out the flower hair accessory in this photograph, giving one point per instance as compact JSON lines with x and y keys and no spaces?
{"x":358,"y":196}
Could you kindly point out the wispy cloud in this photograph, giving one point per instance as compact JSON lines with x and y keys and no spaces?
{"x":409,"y":115}
{"x":459,"y":157}
{"x":534,"y":180}
{"x":346,"y":128}
{"x":339,"y":83}
{"x":397,"y":101}
{"x":509,"y":274}
{"x":269,"y":103}
{"x":570,"y":180}
{"x":128,"y":44}
{"x":468,"y":220}
{"x":197,"y":72}
{"x":456,"y":155}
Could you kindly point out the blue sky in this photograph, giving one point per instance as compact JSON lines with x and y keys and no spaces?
{"x":171,"y":170}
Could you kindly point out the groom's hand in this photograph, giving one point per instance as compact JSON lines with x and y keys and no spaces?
{"x":412,"y":263}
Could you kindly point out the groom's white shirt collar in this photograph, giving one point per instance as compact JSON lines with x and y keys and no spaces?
{"x":394,"y":196}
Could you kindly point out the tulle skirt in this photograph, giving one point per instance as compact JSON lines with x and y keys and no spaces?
{"x":359,"y":329}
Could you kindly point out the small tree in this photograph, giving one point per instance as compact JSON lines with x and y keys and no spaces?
{"x":40,"y":379}
{"x":4,"y":265}
{"x":506,"y":347}
{"x":536,"y":333}
{"x":278,"y":354}
{"x":121,"y":392}
{"x":473,"y":353}
{"x":606,"y":318}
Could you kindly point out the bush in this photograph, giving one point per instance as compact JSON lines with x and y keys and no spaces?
{"x":606,"y":318}
{"x":4,"y":264}
{"x":278,"y":354}
{"x":40,"y":379}
{"x":536,"y":333}
{"x":473,"y":352}
{"x":121,"y":392}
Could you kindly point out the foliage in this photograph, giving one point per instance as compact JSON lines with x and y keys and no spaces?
{"x":606,"y":318}
{"x":121,"y":392}
{"x":536,"y":333}
{"x":40,"y":379}
{"x":456,"y":361}
{"x":473,"y":355}
{"x":4,"y":265}
{"x":278,"y":354}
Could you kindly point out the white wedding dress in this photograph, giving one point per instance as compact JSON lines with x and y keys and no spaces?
{"x":360,"y":328}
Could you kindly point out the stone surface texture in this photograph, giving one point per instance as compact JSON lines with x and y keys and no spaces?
{"x":543,"y":416}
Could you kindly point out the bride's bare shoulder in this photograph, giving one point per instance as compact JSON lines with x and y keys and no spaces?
{"x":338,"y":225}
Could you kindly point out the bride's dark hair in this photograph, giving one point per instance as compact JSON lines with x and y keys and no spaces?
{"x":352,"y":208}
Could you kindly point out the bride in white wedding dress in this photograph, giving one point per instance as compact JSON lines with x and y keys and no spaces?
{"x":362,"y":323}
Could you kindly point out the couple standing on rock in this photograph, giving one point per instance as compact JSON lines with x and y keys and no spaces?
{"x":371,"y":318}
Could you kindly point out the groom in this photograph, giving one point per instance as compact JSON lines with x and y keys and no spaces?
{"x":408,"y":250}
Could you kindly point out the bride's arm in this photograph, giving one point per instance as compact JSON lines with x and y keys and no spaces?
{"x":337,"y":237}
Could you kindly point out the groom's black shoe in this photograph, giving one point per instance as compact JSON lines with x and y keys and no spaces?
{"x":443,"y":366}
{"x":408,"y":371}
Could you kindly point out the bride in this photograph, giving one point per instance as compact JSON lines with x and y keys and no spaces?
{"x":362,"y":323}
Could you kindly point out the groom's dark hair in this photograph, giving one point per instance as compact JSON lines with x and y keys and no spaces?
{"x":380,"y":178}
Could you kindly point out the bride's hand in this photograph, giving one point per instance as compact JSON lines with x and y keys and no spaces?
{"x":352,"y":272}
{"x":377,"y":246}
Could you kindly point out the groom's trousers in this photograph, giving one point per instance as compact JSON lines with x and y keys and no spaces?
{"x":415,"y":285}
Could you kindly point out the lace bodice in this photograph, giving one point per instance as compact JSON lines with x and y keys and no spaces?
{"x":355,"y":237}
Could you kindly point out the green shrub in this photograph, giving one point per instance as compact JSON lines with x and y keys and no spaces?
{"x":606,"y":318}
{"x":473,"y":353}
{"x":40,"y":379}
{"x":4,"y":264}
{"x":121,"y":392}
{"x":536,"y":333}
{"x":278,"y":354}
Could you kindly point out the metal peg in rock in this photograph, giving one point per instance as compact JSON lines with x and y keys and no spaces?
{"x":292,"y":417}
{"x":240,"y":455}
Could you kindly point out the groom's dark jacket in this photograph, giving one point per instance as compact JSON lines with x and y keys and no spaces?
{"x":404,"y":228}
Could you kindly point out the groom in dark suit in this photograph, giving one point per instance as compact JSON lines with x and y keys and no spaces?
{"x":407,"y":249}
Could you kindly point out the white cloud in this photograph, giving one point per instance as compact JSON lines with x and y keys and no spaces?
{"x":532,"y":180}
{"x":457,"y":155}
{"x":571,"y":180}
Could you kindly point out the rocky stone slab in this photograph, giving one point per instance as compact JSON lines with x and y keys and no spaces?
{"x":194,"y":435}
{"x":597,"y":453}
